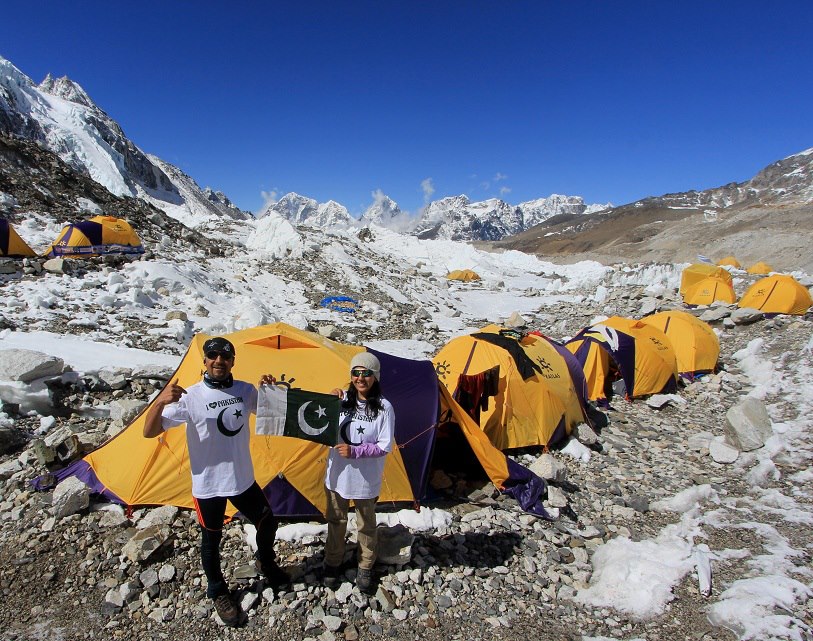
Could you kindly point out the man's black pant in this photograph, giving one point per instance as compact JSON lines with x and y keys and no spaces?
{"x":254,"y":506}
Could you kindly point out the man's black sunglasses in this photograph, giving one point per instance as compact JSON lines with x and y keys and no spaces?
{"x":225,"y":355}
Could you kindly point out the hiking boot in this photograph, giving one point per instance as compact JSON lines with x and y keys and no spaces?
{"x":275,"y":576}
{"x":331,"y":576}
{"x":228,"y":611}
{"x":364,"y":581}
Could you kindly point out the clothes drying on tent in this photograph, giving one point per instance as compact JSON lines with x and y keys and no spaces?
{"x":473,"y":391}
{"x":696,"y":346}
{"x":98,"y":236}
{"x":11,"y":245}
{"x":777,"y":294}
{"x":698,"y":271}
{"x":134,"y":470}
{"x":524,"y":364}
{"x":708,"y":290}
{"x":536,"y":402}
{"x":642,"y":354}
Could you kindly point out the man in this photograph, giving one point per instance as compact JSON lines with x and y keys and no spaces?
{"x":216,"y":412}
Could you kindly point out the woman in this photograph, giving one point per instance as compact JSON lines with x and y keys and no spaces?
{"x":355,"y":468}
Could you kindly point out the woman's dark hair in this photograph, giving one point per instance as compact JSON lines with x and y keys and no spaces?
{"x":373,"y":399}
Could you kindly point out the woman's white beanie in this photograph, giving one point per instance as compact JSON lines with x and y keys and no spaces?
{"x":368,"y":361}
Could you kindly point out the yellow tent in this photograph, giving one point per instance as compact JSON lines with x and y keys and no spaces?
{"x":135,"y":470}
{"x":698,"y":271}
{"x":11,"y":244}
{"x":777,"y":294}
{"x":632,"y":350}
{"x":696,"y":346}
{"x":760,"y":268}
{"x":708,"y":290}
{"x":729,"y":261}
{"x":535,"y":402}
{"x":99,"y":235}
{"x":465,"y":275}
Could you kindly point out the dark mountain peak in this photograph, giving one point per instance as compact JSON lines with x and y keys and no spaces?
{"x":66,"y":89}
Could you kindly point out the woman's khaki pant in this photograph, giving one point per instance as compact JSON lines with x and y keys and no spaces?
{"x":337,"y":509}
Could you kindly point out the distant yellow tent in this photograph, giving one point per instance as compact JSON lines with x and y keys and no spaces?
{"x":11,"y":245}
{"x":729,"y":261}
{"x":777,"y":294}
{"x":708,"y":290}
{"x":696,"y":346}
{"x":536,"y":402}
{"x":642,"y":354}
{"x":698,"y":271}
{"x":465,"y":275}
{"x":760,"y":268}
{"x":97,"y":236}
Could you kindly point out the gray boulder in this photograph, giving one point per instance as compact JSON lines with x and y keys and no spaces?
{"x":748,"y":425}
{"x":70,"y":496}
{"x":585,"y":434}
{"x":11,"y":439}
{"x":715,"y":314}
{"x":722,"y":452}
{"x":547,"y":467}
{"x":142,"y":545}
{"x":746,"y":316}
{"x":395,"y":545}
{"x":28,"y":365}
{"x":124,"y":410}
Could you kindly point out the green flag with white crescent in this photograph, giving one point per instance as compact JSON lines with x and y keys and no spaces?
{"x":298,"y":413}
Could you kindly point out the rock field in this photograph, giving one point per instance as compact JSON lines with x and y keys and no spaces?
{"x":493,"y":573}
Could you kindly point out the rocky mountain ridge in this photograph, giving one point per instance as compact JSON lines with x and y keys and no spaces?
{"x":452,"y":218}
{"x":60,"y":116}
{"x":768,"y":217}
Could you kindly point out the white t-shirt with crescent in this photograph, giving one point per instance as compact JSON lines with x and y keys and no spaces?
{"x":217,"y":434}
{"x":360,"y":478}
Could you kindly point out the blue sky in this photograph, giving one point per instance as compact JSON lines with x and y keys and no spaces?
{"x":611,"y":101}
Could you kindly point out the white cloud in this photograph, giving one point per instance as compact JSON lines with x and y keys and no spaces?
{"x":428,"y":189}
{"x":378,"y":196}
{"x":504,"y":191}
{"x":270,"y":197}
{"x":499,"y":176}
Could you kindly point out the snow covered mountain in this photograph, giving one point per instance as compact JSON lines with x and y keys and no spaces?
{"x":451,"y":218}
{"x":457,"y":218}
{"x":59,"y":115}
{"x":301,"y":210}
{"x":384,"y":212}
{"x":541,"y":209}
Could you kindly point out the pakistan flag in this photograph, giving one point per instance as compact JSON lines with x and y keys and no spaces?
{"x":298,"y":413}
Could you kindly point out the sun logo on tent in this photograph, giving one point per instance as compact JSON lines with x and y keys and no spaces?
{"x":544,"y":364}
{"x":283,"y":383}
{"x":546,"y":369}
{"x":441,"y":369}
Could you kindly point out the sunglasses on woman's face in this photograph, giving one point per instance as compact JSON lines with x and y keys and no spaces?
{"x":356,"y":373}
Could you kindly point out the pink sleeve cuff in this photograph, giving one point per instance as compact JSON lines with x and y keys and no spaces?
{"x":366,"y":450}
